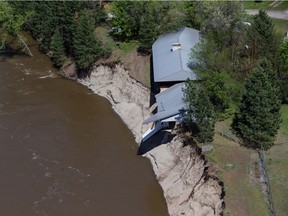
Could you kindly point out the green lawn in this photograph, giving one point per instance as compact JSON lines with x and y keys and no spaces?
{"x":284,"y":124}
{"x":282,"y":6}
{"x":277,"y":163}
{"x":256,"y":5}
{"x":281,"y":25}
{"x":238,"y":168}
{"x":121,"y":47}
{"x":243,"y":194}
{"x":126,"y":52}
{"x":265,"y":5}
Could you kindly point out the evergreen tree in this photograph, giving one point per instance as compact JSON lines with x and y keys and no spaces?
{"x":43,"y":22}
{"x":283,"y":75}
{"x":200,"y":117}
{"x":87,"y":48}
{"x":153,"y":22}
{"x":261,"y":38}
{"x":258,"y":116}
{"x":57,"y":48}
{"x":191,"y":15}
{"x":48,"y":16}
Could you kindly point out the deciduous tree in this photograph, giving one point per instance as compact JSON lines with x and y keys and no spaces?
{"x":126,"y":19}
{"x":11,"y":24}
{"x":223,"y":32}
{"x":220,"y":89}
{"x":199,"y":117}
{"x":145,"y":21}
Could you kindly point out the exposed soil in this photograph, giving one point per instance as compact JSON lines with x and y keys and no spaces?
{"x":139,"y":67}
{"x":181,"y":171}
{"x":68,"y":70}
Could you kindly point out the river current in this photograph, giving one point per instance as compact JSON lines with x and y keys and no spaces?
{"x":64,"y":152}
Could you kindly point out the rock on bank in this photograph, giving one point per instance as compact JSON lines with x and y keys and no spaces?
{"x":180,"y":170}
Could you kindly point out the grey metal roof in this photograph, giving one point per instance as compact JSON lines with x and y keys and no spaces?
{"x":170,"y":102}
{"x":173,"y":65}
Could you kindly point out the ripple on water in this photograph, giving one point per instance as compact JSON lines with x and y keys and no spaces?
{"x":64,"y":151}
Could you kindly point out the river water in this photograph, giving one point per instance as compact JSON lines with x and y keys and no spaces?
{"x":63,"y":149}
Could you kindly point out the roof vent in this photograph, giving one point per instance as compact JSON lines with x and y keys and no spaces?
{"x":175,"y":46}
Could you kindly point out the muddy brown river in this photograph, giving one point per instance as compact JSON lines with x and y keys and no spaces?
{"x":64,"y":152}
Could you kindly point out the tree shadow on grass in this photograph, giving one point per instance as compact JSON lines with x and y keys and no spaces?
{"x":162,"y":137}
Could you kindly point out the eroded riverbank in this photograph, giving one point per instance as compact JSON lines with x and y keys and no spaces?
{"x":64,"y":151}
{"x":181,"y":171}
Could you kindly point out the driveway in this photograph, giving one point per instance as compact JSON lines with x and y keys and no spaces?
{"x":273,"y":14}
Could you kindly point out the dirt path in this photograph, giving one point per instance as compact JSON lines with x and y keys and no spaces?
{"x":273,"y":14}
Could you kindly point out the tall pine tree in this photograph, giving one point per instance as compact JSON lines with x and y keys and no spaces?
{"x":283,"y":75}
{"x":200,"y":116}
{"x":258,"y":116}
{"x":57,"y":48}
{"x":261,"y":38}
{"x":148,"y":23}
{"x":87,"y":48}
{"x":157,"y":17}
{"x":47,"y":16}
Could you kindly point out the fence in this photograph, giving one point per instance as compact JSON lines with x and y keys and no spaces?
{"x":265,"y":176}
{"x":262,"y":166}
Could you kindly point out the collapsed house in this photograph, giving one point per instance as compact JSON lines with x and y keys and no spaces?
{"x":171,"y":53}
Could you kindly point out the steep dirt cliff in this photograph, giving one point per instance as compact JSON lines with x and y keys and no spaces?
{"x":180,"y":170}
{"x":182,"y":173}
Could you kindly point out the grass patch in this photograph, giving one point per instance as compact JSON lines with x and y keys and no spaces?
{"x":238,"y":169}
{"x":108,"y":42}
{"x":127,"y":47}
{"x":266,"y":5}
{"x":284,"y":123}
{"x":277,"y":164}
{"x":243,"y":194}
{"x":125,"y":52}
{"x":282,"y":6}
{"x":280,"y":25}
{"x":257,"y":5}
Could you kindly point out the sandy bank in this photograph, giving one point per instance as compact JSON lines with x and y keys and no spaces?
{"x":181,"y":171}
